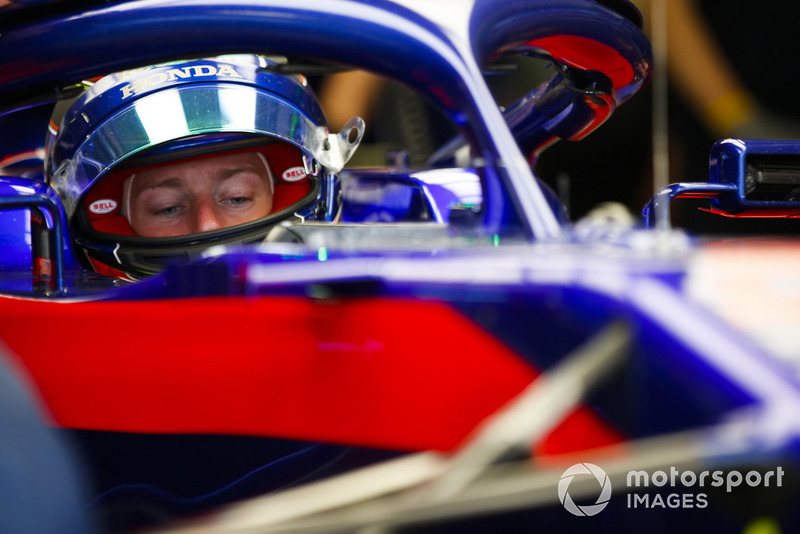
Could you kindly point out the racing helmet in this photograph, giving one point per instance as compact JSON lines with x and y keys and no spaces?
{"x":132,"y":122}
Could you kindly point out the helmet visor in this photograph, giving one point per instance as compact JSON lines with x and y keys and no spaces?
{"x":184,"y":112}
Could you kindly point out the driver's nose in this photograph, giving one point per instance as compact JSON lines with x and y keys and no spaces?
{"x":206,"y":218}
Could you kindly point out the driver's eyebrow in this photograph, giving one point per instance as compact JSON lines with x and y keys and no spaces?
{"x":227,"y":173}
{"x":171,"y":182}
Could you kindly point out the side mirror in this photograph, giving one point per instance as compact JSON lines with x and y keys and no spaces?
{"x":755,"y":178}
{"x":46,"y":238}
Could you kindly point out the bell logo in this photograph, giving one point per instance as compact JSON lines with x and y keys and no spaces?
{"x":101,"y":207}
{"x":294,"y":174}
{"x":584,"y":469}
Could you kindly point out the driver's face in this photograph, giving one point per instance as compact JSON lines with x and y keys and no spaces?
{"x":199,"y":195}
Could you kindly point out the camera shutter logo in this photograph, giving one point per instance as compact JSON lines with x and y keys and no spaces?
{"x":602,"y":499}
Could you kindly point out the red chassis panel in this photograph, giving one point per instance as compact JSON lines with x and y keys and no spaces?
{"x":350,"y":371}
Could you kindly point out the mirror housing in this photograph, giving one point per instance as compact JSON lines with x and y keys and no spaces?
{"x":755,"y":178}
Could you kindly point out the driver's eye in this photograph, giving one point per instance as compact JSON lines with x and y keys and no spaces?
{"x":171,"y":210}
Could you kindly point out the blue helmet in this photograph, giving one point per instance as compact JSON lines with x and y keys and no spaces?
{"x":131,"y":122}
